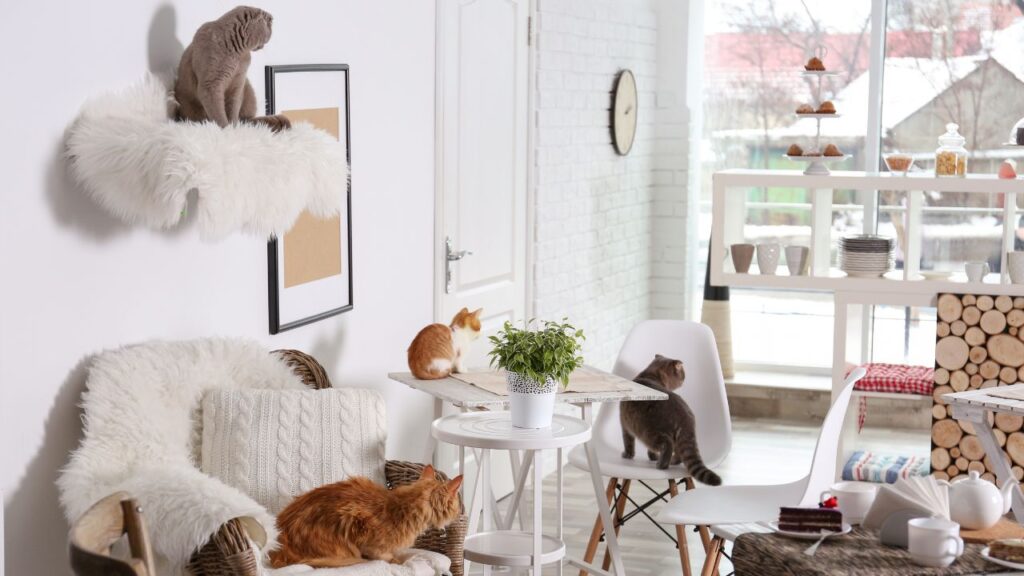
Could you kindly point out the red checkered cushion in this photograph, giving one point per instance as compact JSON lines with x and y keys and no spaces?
{"x":897,"y":378}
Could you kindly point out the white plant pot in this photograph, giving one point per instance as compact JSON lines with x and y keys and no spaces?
{"x":532,"y":403}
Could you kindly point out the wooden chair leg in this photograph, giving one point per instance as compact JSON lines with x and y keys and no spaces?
{"x":705,"y":534}
{"x":684,"y":553}
{"x":620,"y":510}
{"x":714,"y":555}
{"x":595,"y":534}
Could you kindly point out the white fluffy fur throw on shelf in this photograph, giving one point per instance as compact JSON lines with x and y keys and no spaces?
{"x":142,"y":436}
{"x":139,"y":164}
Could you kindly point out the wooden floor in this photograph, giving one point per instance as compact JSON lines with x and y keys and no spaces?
{"x":762,"y":452}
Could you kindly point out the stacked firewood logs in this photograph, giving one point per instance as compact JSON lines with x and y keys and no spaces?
{"x":980,"y":344}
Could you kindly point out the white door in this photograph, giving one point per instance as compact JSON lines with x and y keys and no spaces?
{"x":483,"y":91}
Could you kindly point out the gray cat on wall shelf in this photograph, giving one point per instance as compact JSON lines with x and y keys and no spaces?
{"x":212,"y":83}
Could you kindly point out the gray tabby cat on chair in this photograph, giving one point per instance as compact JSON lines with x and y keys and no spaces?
{"x":211,"y":82}
{"x":668,"y":427}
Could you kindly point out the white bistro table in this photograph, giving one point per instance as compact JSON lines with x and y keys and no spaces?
{"x":975,"y":407}
{"x":494,"y":431}
{"x":469,"y":398}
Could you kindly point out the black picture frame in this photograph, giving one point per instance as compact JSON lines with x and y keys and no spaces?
{"x":273,"y":265}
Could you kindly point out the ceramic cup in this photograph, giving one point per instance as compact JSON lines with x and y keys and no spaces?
{"x":1015,"y":266}
{"x":768,"y":257}
{"x":934,"y":542}
{"x":742,"y":256}
{"x":976,"y":270}
{"x":855,"y":499}
{"x":796,"y":260}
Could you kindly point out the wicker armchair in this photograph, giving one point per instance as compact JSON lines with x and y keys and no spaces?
{"x":229,"y":551}
{"x":98,"y":530}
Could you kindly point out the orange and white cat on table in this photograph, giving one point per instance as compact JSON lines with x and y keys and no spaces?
{"x":438,"y":350}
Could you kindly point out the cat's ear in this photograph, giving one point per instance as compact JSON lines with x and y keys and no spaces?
{"x":454,"y":484}
{"x":428,"y":473}
{"x":464,"y":311}
{"x":678,"y":366}
{"x":478,"y":312}
{"x":659,"y":357}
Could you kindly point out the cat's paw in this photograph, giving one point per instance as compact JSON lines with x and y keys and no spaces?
{"x":276,"y":123}
{"x":662,"y":465}
{"x":652,"y":456}
{"x":627,"y":454}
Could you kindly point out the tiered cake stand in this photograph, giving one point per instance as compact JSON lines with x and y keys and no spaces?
{"x":817,"y":164}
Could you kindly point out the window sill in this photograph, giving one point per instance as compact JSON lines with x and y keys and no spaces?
{"x":784,"y":380}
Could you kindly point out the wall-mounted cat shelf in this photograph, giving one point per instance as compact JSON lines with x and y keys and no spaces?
{"x":130,"y":155}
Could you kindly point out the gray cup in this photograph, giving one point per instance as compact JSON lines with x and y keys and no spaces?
{"x":796,"y":260}
{"x":742,"y":256}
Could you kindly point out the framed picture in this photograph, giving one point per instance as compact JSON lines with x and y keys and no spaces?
{"x":310,"y":268}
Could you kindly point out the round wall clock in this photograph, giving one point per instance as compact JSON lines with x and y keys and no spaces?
{"x":624,"y":104}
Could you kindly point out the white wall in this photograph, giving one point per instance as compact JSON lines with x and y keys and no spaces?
{"x":673,"y":211}
{"x":593,"y":231}
{"x":74,"y":281}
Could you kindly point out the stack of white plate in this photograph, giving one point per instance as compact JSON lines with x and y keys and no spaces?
{"x":865,"y":256}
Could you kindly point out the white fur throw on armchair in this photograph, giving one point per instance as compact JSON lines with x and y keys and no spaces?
{"x":142,"y":436}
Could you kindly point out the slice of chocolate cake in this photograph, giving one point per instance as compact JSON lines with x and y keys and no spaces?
{"x":1011,"y":550}
{"x":810,"y":519}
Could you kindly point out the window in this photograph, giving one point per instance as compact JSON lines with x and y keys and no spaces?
{"x":942,"y":61}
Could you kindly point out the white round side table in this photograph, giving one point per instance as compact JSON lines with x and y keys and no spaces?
{"x":494,"y":431}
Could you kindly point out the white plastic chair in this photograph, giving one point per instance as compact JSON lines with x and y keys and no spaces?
{"x":728,"y":509}
{"x":704,"y":391}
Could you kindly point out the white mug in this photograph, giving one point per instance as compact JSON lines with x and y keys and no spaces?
{"x":855,"y":499}
{"x":768,"y":257}
{"x":934,"y":542}
{"x":1015,"y":265}
{"x":976,"y":270}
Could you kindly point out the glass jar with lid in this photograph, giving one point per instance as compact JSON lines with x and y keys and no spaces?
{"x":951,"y":156}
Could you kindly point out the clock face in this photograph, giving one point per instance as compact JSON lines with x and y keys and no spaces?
{"x":624,"y":112}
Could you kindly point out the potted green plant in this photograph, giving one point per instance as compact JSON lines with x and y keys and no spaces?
{"x":535,"y":357}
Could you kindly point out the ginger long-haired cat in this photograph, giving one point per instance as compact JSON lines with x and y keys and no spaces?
{"x":358,"y":520}
{"x":438,"y":350}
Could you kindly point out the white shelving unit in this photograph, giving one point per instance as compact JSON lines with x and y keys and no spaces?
{"x":897,"y":288}
{"x":729,"y":212}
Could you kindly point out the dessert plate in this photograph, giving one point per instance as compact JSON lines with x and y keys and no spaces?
{"x":1001,"y":562}
{"x":935,"y":274}
{"x":774,"y":525}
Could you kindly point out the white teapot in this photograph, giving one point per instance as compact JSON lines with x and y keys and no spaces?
{"x":977,"y":504}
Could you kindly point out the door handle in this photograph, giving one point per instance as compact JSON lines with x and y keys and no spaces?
{"x":450,"y":256}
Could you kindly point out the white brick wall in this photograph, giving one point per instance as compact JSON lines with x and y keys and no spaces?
{"x":596,"y":211}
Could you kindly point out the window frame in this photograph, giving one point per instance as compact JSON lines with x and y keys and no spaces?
{"x":867,"y":200}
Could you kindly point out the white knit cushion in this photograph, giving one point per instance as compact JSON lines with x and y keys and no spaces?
{"x":276,"y":444}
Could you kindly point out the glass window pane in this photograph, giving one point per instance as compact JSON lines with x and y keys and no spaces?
{"x":953,"y":61}
{"x":755,"y":51}
{"x":957,"y":228}
{"x":904,"y":335}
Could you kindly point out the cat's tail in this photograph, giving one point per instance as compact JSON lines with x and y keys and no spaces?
{"x":695,"y":464}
